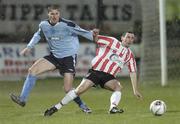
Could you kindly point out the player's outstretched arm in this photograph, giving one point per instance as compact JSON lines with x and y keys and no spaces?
{"x":136,"y":92}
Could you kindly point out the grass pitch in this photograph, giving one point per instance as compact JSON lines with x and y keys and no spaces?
{"x":48,"y":92}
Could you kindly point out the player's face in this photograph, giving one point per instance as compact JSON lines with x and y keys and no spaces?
{"x":54,"y":16}
{"x":128,"y":39}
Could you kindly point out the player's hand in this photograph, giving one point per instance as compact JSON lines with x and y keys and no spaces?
{"x":25,"y":51}
{"x":95,"y":31}
{"x":95,"y":34}
{"x":138,"y":94}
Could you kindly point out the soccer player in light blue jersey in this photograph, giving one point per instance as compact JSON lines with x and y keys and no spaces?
{"x":62,"y":38}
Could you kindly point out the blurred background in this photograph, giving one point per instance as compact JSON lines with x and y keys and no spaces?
{"x":19,"y":19}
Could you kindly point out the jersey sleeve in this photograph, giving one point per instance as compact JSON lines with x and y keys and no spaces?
{"x":104,"y":40}
{"x":36,"y":38}
{"x":82,"y":32}
{"x":132,"y":64}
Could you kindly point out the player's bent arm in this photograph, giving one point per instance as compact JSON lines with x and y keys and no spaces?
{"x":35,"y":39}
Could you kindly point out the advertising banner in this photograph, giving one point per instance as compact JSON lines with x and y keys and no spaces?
{"x":22,"y":16}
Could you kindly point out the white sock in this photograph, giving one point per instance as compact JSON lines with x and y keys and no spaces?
{"x":58,"y":106}
{"x":115,"y":99}
{"x":68,"y":97}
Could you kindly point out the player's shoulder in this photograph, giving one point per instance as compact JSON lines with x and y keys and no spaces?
{"x":107,"y":37}
{"x":44,"y":22}
{"x":68,"y":22}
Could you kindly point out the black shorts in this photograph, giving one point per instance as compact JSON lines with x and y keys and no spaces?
{"x":65,"y":65}
{"x":99,"y":77}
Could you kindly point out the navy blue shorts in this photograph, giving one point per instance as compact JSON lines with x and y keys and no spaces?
{"x":99,"y":77}
{"x":65,"y":65}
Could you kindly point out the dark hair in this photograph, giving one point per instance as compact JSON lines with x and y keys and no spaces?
{"x":123,"y":34}
{"x":53,"y":7}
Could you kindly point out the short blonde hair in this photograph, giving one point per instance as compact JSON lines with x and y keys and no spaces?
{"x":53,"y":7}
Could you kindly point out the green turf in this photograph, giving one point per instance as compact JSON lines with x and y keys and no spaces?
{"x":48,"y":92}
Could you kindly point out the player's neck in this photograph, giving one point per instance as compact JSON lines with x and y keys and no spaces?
{"x":51,"y":23}
{"x":124,"y":45}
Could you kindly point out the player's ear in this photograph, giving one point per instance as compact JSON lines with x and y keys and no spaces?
{"x":123,"y":35}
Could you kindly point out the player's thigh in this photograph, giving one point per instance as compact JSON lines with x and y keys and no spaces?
{"x":113,"y":85}
{"x":84,"y":86}
{"x":40,"y":66}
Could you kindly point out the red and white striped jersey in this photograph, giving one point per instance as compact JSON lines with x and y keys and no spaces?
{"x":111,"y":56}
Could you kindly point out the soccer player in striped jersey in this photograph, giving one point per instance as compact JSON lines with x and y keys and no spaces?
{"x":62,"y":38}
{"x":111,"y":56}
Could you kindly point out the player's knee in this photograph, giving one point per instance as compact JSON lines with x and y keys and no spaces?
{"x":78,"y":92}
{"x":66,"y":90}
{"x":32,"y":71}
{"x":118,"y":87}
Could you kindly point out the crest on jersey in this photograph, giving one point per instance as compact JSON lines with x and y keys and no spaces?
{"x":115,"y":58}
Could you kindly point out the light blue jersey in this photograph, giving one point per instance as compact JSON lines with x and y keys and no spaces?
{"x":62,"y":37}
